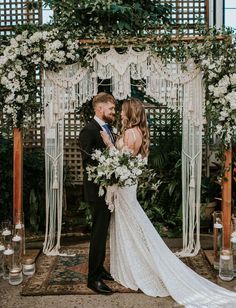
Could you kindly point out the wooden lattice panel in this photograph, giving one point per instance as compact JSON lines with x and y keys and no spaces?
{"x":18,"y":12}
{"x":34,"y":137}
{"x":163,"y":123}
{"x":72,"y":155}
{"x":189,"y":12}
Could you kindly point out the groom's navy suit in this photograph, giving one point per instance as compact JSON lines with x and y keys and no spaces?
{"x":89,"y":140}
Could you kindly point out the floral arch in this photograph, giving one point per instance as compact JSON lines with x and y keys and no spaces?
{"x":75,"y":83}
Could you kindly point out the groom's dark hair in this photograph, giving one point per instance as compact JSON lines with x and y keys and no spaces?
{"x":103,"y":98}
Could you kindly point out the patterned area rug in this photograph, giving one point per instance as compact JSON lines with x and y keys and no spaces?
{"x":61,"y":275}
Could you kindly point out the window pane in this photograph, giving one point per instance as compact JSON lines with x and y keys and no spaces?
{"x":46,"y":15}
{"x":230,"y":18}
{"x":230,"y":4}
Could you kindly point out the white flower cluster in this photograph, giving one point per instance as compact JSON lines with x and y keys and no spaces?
{"x":17,"y":60}
{"x":115,"y":167}
{"x":222,"y":96}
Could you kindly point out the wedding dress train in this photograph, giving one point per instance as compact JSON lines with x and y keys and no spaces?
{"x":139,"y":258}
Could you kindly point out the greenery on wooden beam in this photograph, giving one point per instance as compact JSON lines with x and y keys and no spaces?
{"x":106,"y":18}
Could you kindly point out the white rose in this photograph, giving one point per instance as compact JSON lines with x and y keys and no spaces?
{"x":224,"y":82}
{"x":3,"y":60}
{"x":4,"y":80}
{"x":19,"y":99}
{"x":11,"y":75}
{"x":48,"y":56}
{"x":56,"y":44}
{"x":233,"y":79}
{"x":44,"y":35}
{"x":19,"y":38}
{"x":13,"y":42}
{"x":233,"y":105}
{"x":36,"y":37}
{"x":23,"y":73}
{"x":8,"y":110}
{"x":61,"y":54}
{"x":211,"y":88}
{"x":10,"y":98}
{"x":24,"y":50}
{"x":18,"y":68}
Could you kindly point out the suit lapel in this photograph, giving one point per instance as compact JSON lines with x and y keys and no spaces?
{"x":95,"y":123}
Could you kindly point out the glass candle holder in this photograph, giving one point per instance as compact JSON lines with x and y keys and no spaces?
{"x":8,"y":261}
{"x":28,"y":267}
{"x":226,"y":271}
{"x":15,"y":276}
{"x":20,"y":231}
{"x":6,"y":234}
{"x":17,"y":245}
{"x":217,"y":236}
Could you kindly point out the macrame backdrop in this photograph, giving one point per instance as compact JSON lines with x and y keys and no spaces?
{"x":169,"y":85}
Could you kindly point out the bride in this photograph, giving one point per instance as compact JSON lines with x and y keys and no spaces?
{"x":139,"y":258}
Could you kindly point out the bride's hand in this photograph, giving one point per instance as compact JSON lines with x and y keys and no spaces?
{"x":106,"y":139}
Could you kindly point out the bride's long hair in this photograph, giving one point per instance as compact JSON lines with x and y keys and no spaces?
{"x":135,"y":116}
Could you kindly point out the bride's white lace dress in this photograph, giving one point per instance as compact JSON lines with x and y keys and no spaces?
{"x":140,"y":259}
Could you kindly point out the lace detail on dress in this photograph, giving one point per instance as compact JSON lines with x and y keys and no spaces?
{"x":130,"y":260}
{"x":140,"y":259}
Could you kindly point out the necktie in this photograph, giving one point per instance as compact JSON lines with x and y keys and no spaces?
{"x":106,"y":126}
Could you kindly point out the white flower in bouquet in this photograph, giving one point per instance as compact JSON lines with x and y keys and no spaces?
{"x":233,"y":79}
{"x":224,"y":82}
{"x":115,"y":168}
{"x":11,"y":75}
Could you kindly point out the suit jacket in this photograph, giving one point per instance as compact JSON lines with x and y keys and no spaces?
{"x":89,"y":140}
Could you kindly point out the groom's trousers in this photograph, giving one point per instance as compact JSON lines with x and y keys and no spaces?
{"x":97,"y":252}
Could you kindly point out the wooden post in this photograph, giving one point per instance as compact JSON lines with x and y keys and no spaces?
{"x":227,"y":198}
{"x":17,"y":176}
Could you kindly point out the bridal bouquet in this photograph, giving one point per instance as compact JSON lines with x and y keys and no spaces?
{"x":115,"y":167}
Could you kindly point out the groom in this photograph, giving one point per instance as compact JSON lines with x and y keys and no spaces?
{"x":89,"y":140}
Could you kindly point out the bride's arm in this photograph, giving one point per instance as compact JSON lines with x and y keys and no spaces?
{"x":107,"y":140}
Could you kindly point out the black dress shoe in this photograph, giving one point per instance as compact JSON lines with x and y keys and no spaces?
{"x":106,"y":276}
{"x":100,"y":287}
